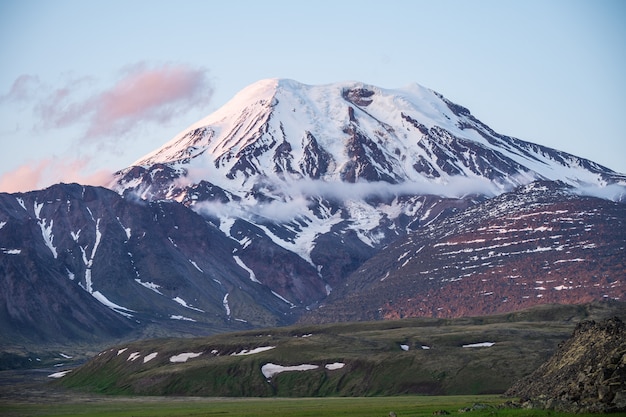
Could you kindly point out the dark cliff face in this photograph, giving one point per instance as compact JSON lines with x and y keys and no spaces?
{"x":315,"y":161}
{"x":83,"y":263}
{"x":586,"y":374}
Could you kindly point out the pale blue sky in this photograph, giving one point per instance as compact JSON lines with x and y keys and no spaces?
{"x":550,"y":72}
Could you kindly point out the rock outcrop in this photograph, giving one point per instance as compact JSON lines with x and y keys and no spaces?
{"x":586,"y":374}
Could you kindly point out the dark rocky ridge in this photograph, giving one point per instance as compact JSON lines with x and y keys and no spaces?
{"x":69,"y":250}
{"x":83,"y":264}
{"x":586,"y":374}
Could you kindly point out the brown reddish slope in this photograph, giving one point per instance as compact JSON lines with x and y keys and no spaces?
{"x":533,"y":246}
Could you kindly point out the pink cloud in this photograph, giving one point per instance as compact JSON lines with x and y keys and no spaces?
{"x":24,"y":178}
{"x":24,"y":88}
{"x":142,"y":94}
{"x":154,"y":95}
{"x":60,"y":107}
{"x":45,"y":172}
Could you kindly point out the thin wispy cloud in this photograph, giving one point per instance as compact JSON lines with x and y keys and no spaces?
{"x":100,"y":116}
{"x":41,"y":173}
{"x":294,"y":198}
{"x":61,"y":106}
{"x":24,"y":88}
{"x":142,"y":94}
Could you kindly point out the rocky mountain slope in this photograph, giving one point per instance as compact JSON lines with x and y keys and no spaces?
{"x":538,"y":244}
{"x":586,"y":374}
{"x":333,"y":173}
{"x":271,"y":206}
{"x":82,"y":263}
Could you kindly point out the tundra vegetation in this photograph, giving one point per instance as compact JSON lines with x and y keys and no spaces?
{"x":465,"y":356}
{"x":400,"y":406}
{"x":410,"y":367}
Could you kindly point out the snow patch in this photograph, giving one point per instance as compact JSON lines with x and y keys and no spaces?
{"x":563,"y":287}
{"x":184,"y":304}
{"x":245,"y":242}
{"x":327,"y":287}
{"x":284,"y":299}
{"x":245,"y":267}
{"x":89,"y":261}
{"x":11,"y":251}
{"x":196,"y":265}
{"x":570,"y":260}
{"x":178,"y":317}
{"x":149,"y":357}
{"x":133,"y":356}
{"x":271,"y":369}
{"x":21,"y":203}
{"x":117,"y":308}
{"x":126,"y":229}
{"x":246,"y":352}
{"x":183,"y":357}
{"x":404,"y":347}
{"x":150,"y":285}
{"x":467,"y":242}
{"x":48,"y":237}
{"x":479,"y":345}
{"x":334,"y":366}
{"x":225,"y":304}
{"x":59,"y":374}
{"x":404,"y":255}
{"x":37,"y":209}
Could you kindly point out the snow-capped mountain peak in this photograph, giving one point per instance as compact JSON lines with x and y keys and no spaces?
{"x":281,"y":129}
{"x":312,"y":167}
{"x":274,"y":204}
{"x":302,"y":111}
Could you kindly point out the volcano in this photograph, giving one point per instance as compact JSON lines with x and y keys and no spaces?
{"x":270,"y":208}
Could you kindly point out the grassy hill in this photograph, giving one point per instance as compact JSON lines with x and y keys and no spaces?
{"x":412,"y":356}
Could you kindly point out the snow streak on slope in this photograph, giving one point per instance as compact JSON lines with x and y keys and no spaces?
{"x":46,"y":229}
{"x":248,"y":270}
{"x":225,"y":304}
{"x":88,"y":261}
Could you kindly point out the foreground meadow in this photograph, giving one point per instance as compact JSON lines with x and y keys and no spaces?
{"x":402,"y":406}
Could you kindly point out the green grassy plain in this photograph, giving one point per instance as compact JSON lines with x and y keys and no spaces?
{"x":402,"y":406}
{"x":379,"y":377}
{"x":384,"y":358}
